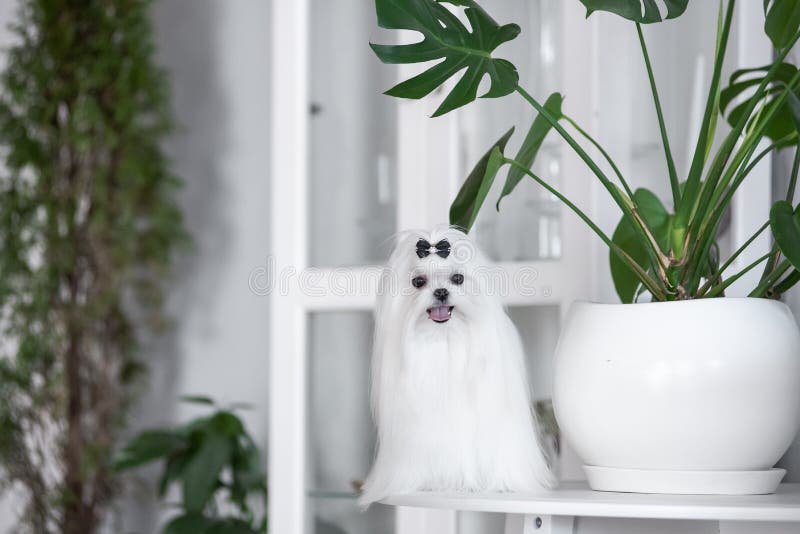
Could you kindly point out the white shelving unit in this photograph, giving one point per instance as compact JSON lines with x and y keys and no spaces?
{"x":427,"y":160}
{"x":554,"y":512}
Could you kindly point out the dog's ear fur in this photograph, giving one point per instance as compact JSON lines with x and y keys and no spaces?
{"x":381,"y":341}
{"x":387,"y":349}
{"x":391,"y":283}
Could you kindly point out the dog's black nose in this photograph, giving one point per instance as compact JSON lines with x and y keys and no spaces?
{"x":441,"y":294}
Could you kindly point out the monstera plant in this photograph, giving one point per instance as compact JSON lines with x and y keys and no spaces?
{"x":670,"y":251}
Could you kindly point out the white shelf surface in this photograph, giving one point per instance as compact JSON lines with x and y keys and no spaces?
{"x":576,"y":499}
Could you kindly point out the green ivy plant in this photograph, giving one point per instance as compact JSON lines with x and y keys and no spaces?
{"x":671,"y":254}
{"x":89,"y":225}
{"x":216,"y":464}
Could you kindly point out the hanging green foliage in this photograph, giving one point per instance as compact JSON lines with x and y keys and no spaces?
{"x":88,"y":225}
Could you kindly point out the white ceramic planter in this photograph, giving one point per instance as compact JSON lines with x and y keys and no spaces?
{"x":697,"y":396}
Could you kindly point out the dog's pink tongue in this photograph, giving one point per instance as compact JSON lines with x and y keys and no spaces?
{"x":440,"y":313}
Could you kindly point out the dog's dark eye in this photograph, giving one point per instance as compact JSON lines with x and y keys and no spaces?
{"x":457,"y":279}
{"x":418,"y":281}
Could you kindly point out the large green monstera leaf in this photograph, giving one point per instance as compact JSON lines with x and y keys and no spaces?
{"x":641,"y":11}
{"x":448,"y":39}
{"x":782,"y":18}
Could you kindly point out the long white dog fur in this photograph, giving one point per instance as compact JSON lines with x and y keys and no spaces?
{"x":450,"y":396}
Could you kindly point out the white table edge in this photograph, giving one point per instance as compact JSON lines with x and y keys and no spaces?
{"x":578,"y":501}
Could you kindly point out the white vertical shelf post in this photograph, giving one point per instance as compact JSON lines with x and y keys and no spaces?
{"x":580,"y":92}
{"x":287,"y":351}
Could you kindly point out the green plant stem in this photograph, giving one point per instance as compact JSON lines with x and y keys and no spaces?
{"x":646,"y":280}
{"x":715,"y":188}
{"x":688,"y":199}
{"x":706,"y":188}
{"x":721,"y":204}
{"x":767,"y":283}
{"x":750,"y":144}
{"x":673,"y":175}
{"x":786,"y":284}
{"x":709,"y":224}
{"x":744,"y":172}
{"x":692,"y":268}
{"x":716,"y":290}
{"x":793,"y":180}
{"x":658,"y":260}
{"x":561,"y":197}
{"x":733,"y":257}
{"x":610,"y":161}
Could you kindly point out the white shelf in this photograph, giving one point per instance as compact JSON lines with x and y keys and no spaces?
{"x":576,"y":499}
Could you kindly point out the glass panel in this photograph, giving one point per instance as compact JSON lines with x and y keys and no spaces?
{"x":340,"y":430}
{"x":539,"y":327}
{"x":352,"y":138}
{"x":528,"y":227}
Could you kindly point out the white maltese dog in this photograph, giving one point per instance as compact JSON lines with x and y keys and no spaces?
{"x":449,"y":391}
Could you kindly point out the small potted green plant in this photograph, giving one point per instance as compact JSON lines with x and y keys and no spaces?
{"x":216,"y":464}
{"x":684,"y":393}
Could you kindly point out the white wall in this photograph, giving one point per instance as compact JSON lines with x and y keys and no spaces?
{"x":216,"y":53}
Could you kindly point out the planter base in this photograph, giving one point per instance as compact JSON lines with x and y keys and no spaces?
{"x":684,"y":482}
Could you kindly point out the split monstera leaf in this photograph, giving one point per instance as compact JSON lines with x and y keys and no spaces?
{"x":447,"y":38}
{"x":669,"y":252}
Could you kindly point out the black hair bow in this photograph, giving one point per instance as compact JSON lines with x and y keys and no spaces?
{"x":441,"y":249}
